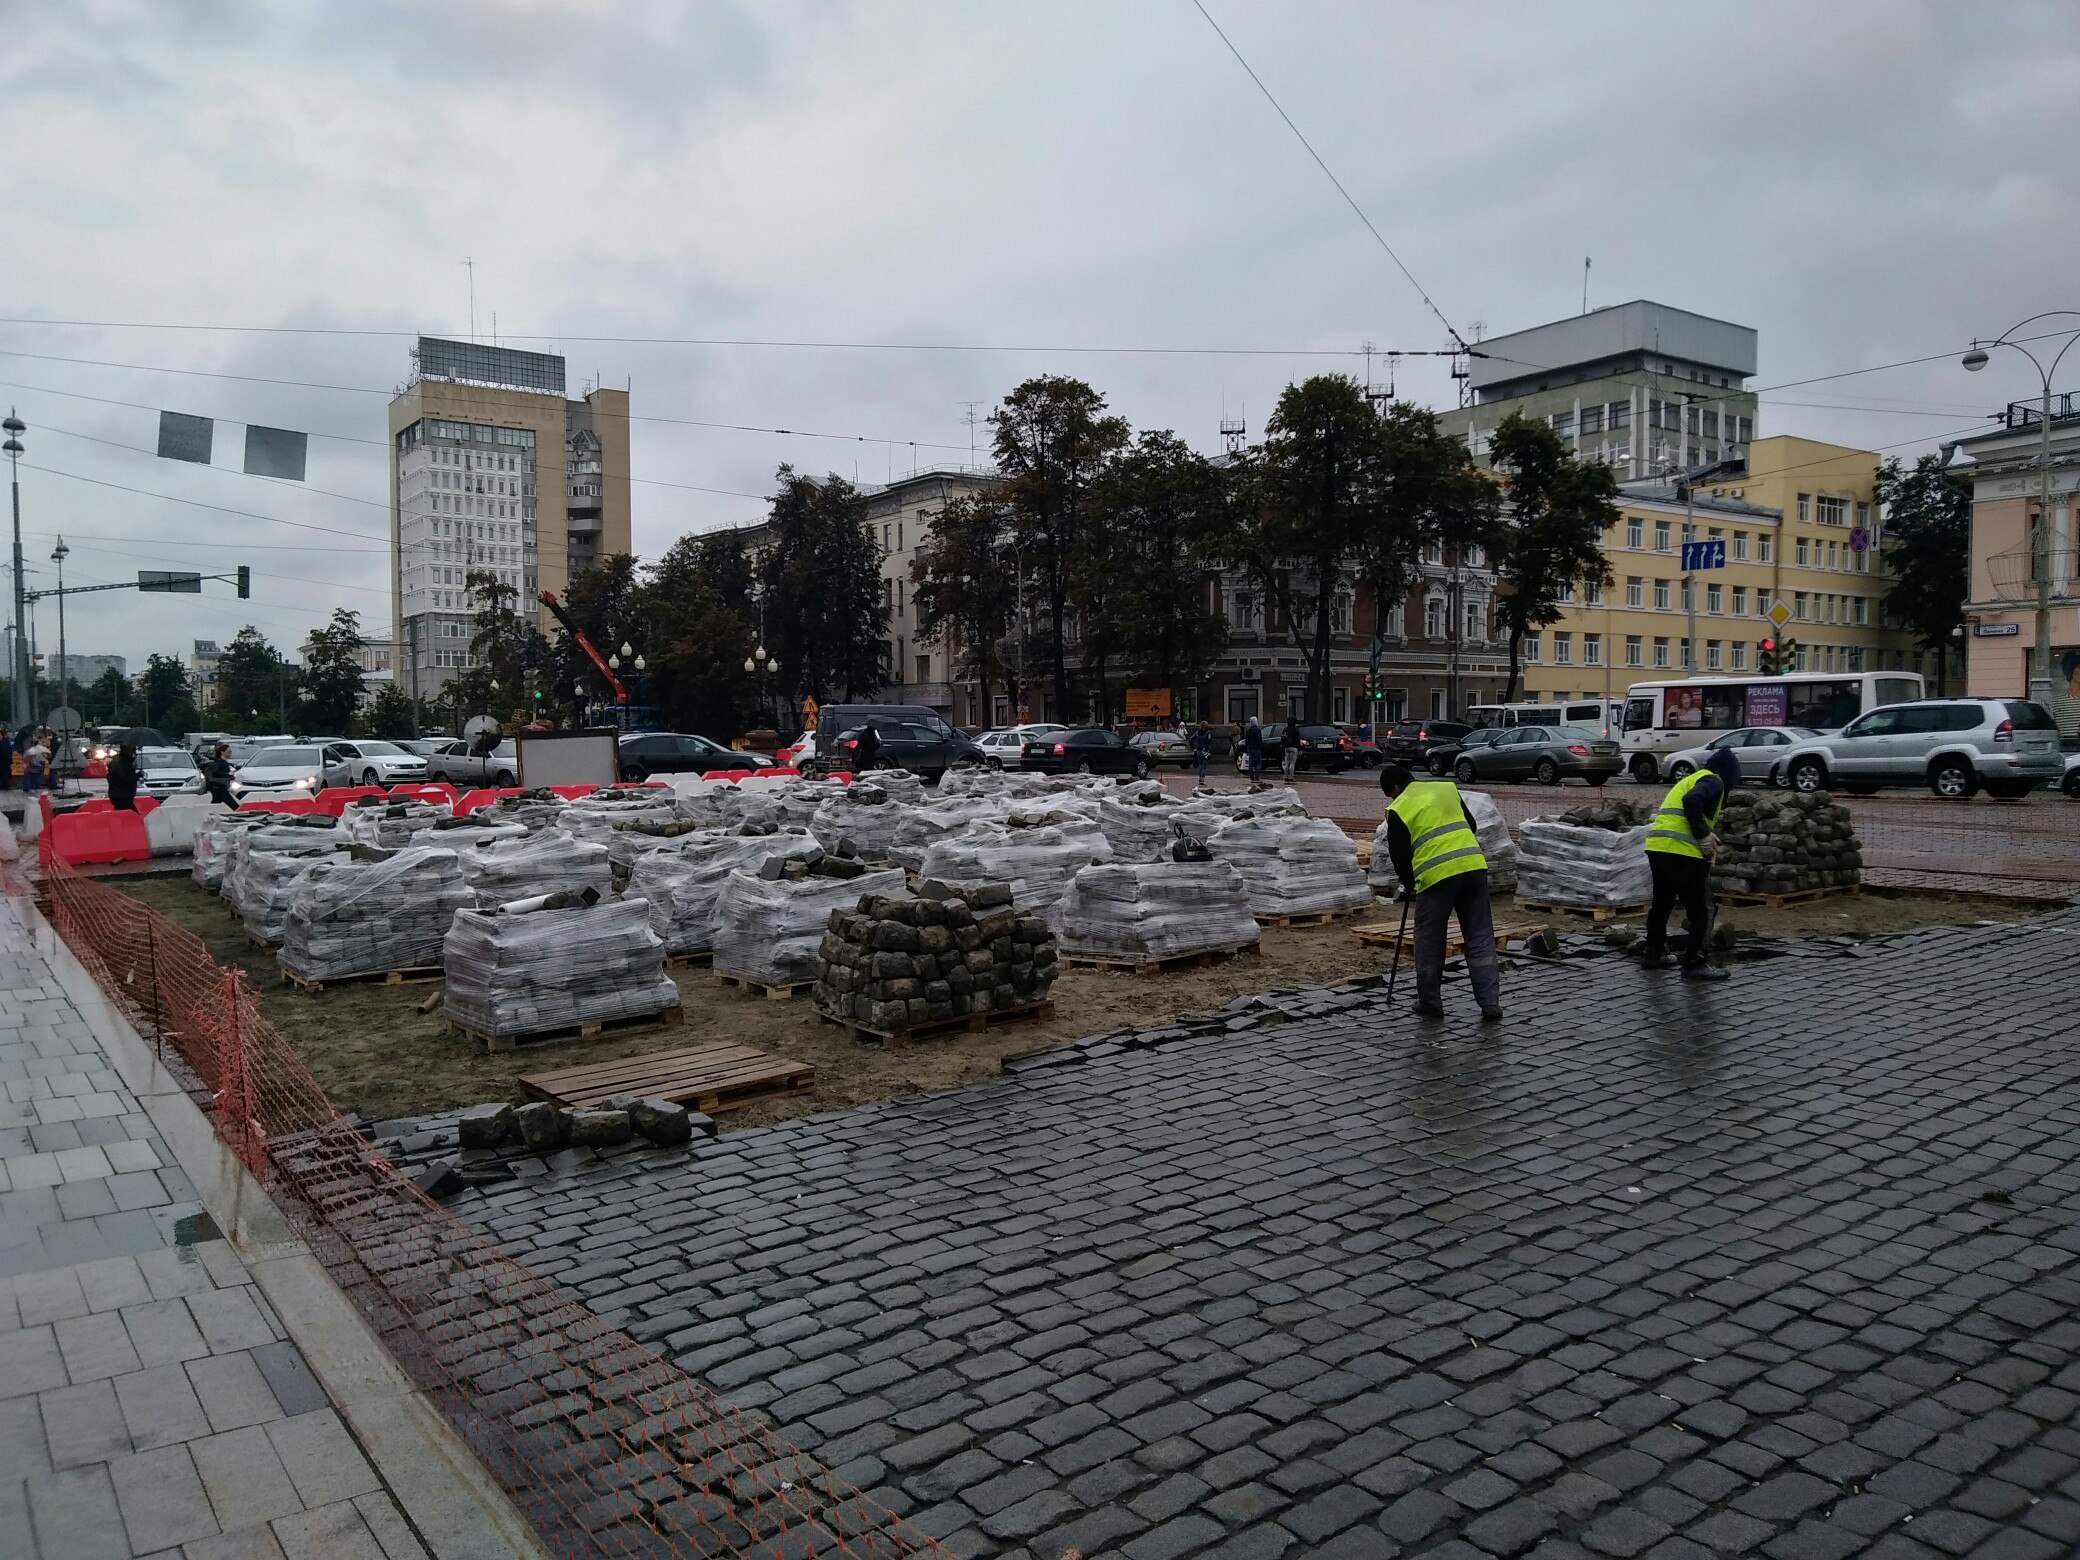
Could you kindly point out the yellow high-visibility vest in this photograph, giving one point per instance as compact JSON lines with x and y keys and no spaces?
{"x":1444,"y":842}
{"x":1670,"y":832}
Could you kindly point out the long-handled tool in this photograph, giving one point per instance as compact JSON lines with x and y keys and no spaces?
{"x":1400,"y":937}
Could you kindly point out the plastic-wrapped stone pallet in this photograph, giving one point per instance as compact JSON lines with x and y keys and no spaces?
{"x":866,"y":813}
{"x":547,"y":863}
{"x":890,"y":964}
{"x":477,"y":828}
{"x":1037,"y":863}
{"x":1785,"y":843}
{"x":265,"y":881}
{"x":683,"y":887}
{"x":358,"y":918}
{"x":629,"y":842}
{"x":291,"y":835}
{"x":769,"y":929}
{"x":1586,"y":856}
{"x":1293,"y":866}
{"x":389,"y":825}
{"x":212,"y":846}
{"x":1489,"y":828}
{"x":532,"y":810}
{"x":1205,"y":811}
{"x":1140,"y":829}
{"x":1154,"y":910}
{"x":522,"y":973}
{"x":921,"y":827}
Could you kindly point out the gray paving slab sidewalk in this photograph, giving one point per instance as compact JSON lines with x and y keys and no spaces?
{"x":151,"y":1402}
{"x":1782,"y":1267}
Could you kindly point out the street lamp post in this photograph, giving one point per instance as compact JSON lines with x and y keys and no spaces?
{"x":58,"y":556}
{"x":2040,"y":548}
{"x":19,"y":671}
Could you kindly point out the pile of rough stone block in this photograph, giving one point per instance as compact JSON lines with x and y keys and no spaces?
{"x":1785,"y":842}
{"x":541,"y":1127}
{"x":890,"y":964}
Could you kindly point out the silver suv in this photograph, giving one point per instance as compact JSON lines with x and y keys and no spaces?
{"x":1953,"y":746}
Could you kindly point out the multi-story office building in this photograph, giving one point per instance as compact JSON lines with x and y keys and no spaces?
{"x":493,"y":470}
{"x":1647,"y":388}
{"x":899,"y":517}
{"x":85,"y":670}
{"x":202,"y":671}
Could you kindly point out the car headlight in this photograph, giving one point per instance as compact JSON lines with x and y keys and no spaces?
{"x":238,"y":785}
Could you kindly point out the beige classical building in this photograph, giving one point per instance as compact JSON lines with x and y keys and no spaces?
{"x":493,"y":469}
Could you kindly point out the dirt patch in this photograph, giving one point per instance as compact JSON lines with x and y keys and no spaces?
{"x":374,"y":1054}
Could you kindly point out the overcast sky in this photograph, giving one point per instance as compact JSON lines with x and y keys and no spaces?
{"x":1861,"y":182}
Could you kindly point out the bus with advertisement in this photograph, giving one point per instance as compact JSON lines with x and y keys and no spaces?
{"x":1666,"y":717}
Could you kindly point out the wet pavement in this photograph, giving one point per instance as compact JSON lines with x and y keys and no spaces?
{"x":1784,"y":1266}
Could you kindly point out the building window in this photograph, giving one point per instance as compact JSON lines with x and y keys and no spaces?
{"x":1765,"y":549}
{"x":1592,"y":418}
{"x":1662,"y":534}
{"x":1740,"y":601}
{"x":1592,"y":649}
{"x":1634,"y":650}
{"x":1433,"y":617}
{"x":1635,"y":531}
{"x":1854,"y":655}
{"x":1476,"y":621}
{"x":924,"y":668}
{"x":1563,"y":649}
{"x":1863,"y":610}
{"x":1661,"y":652}
{"x":1711,"y":655}
{"x":1689,"y":593}
{"x":1635,"y":591}
{"x":1563,"y":423}
{"x":1712,"y":599}
{"x":1617,"y":415}
{"x":1661,"y":595}
{"x":1689,"y":655}
{"x":1437,"y":704}
{"x":1802,"y":553}
{"x":1433,"y":552}
{"x":1531,"y":649}
{"x":1832,"y":511}
{"x":1798,"y":608}
{"x":1592,"y":592}
{"x":1805,"y":508}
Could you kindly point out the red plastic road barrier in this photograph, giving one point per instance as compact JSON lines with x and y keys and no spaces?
{"x":78,"y":838}
{"x":571,"y":793}
{"x":285,"y":804}
{"x":336,"y":799}
{"x":96,"y":804}
{"x":733,"y":776}
{"x":430,"y":791}
{"x":97,"y":769}
{"x":483,"y":796}
{"x":775,"y":773}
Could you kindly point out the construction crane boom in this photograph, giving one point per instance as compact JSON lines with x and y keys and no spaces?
{"x":577,"y":637}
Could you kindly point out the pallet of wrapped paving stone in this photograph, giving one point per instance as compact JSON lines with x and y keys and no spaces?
{"x":1777,"y":901}
{"x":716,"y":1076}
{"x":968,"y":1023}
{"x":1311,"y":917}
{"x":1141,"y":966}
{"x":417,"y":976}
{"x":774,"y":992}
{"x":669,"y":1018}
{"x":1597,"y":913}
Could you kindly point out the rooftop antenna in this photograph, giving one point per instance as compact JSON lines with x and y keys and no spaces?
{"x":1233,"y":430}
{"x":971,"y":419}
{"x":470,"y":265}
{"x":1585,"y":284}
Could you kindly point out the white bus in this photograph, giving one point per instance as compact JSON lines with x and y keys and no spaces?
{"x":1605,"y":714}
{"x":1666,"y":717}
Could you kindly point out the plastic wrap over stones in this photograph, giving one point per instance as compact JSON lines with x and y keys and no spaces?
{"x":1293,"y":866}
{"x":1138,"y":830}
{"x":261,"y":896}
{"x":770,"y":931}
{"x":1600,"y":861}
{"x":684,"y":887}
{"x":893,"y":964}
{"x":1489,"y":827}
{"x":1154,"y":911}
{"x":213,"y":842}
{"x":364,"y":918}
{"x":1206,"y":811}
{"x":865,"y":813}
{"x":551,"y":863}
{"x":549,"y":969}
{"x":389,"y":825}
{"x":479,"y":828}
{"x":1786,"y":844}
{"x":1036,"y":862}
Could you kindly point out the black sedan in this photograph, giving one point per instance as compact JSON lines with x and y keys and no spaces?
{"x":926,"y":751}
{"x":648,"y":753}
{"x":1321,"y":747}
{"x":1411,"y":741}
{"x":1084,"y":751}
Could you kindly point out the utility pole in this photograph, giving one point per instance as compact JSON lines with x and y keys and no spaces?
{"x":58,"y":556}
{"x":18,"y":672}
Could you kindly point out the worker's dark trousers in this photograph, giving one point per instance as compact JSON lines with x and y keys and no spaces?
{"x":1465,"y":896}
{"x":1679,"y":879}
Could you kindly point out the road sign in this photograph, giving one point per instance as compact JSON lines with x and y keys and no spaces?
{"x":160,"y":579}
{"x":1780,"y":614}
{"x":1860,"y":539}
{"x":1704,"y":555}
{"x":1995,"y":630}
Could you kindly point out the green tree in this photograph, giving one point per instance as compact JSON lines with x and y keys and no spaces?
{"x":255,"y":686}
{"x":696,"y":616}
{"x":604,"y":602}
{"x":107,"y":700}
{"x":389,"y":713}
{"x":1052,"y":442}
{"x":1927,"y":549}
{"x":965,"y":581}
{"x":164,"y":700}
{"x":1434,"y":494}
{"x":820,"y":592}
{"x":332,"y":680}
{"x":1556,"y":511}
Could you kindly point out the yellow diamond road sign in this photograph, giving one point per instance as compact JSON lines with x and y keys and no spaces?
{"x":1780,"y":614}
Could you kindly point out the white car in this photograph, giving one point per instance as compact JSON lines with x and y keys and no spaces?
{"x":167,"y":771}
{"x":364,"y":761}
{"x":2071,"y":783}
{"x":1760,"y":750}
{"x":280,"y":769}
{"x":1003,"y":746}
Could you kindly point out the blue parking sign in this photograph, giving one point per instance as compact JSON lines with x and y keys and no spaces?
{"x":1704,"y":555}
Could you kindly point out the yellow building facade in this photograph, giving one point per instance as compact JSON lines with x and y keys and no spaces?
{"x":1801,"y":528}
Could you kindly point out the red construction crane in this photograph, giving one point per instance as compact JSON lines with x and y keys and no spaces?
{"x":577,"y":637}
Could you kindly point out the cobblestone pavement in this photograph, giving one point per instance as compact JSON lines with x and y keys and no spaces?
{"x":150,"y":1403}
{"x":1781,"y":1267}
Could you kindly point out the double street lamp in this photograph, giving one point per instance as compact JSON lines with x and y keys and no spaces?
{"x":766,"y":670}
{"x":2040,"y":543}
{"x":627,"y":656}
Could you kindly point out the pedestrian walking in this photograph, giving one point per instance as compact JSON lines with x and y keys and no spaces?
{"x":867,"y":750}
{"x":1289,"y":754}
{"x":122,"y":779}
{"x":36,"y":763}
{"x":1253,"y":751}
{"x":216,"y":775}
{"x":1439,"y":860}
{"x":1202,"y":750}
{"x":1681,"y":843}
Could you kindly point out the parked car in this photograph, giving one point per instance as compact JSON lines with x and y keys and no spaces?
{"x":455,"y":761}
{"x":1164,"y":747}
{"x":1547,"y":754}
{"x":1001,"y":747}
{"x":167,"y":771}
{"x":1443,"y":755}
{"x":425,"y":747}
{"x":1088,"y":750}
{"x":926,"y":751}
{"x":838,"y":721}
{"x":1321,"y":747}
{"x":1760,"y":751}
{"x":1410,"y":741}
{"x":1953,"y":746}
{"x":364,"y":761}
{"x":280,"y":769}
{"x":647,"y":753}
{"x":2071,"y":783}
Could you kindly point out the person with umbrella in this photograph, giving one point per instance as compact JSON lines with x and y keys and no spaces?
{"x":122,"y":779}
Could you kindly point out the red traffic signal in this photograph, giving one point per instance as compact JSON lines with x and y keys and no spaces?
{"x":1769,"y":644}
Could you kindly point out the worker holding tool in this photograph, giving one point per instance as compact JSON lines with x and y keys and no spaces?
{"x":1680,"y":847}
{"x":1439,"y":861}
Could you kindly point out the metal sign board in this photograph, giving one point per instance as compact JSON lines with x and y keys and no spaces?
{"x":1995,"y":630}
{"x":161,"y":579}
{"x":182,"y":437}
{"x":1704,"y":555}
{"x":1780,"y":614}
{"x":1860,"y":539}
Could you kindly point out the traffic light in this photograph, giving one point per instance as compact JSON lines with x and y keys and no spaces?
{"x":1766,"y":657}
{"x":245,"y":582}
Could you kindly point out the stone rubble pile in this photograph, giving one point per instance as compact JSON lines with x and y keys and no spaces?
{"x":566,"y":963}
{"x":362,"y":918}
{"x":1784,"y":842}
{"x":1292,"y":865}
{"x":891,"y":963}
{"x":770,"y":922}
{"x":1148,"y":911}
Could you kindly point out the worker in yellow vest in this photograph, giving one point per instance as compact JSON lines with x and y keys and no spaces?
{"x":1438,"y":858}
{"x":1681,"y":843}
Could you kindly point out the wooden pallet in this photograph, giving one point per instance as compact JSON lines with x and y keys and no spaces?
{"x":1797,"y":897}
{"x":685,"y":961}
{"x":1313,"y":917}
{"x":670,"y":1018}
{"x":1364,"y":852}
{"x":415,"y":976}
{"x":781,"y":993}
{"x":254,"y":939}
{"x":1383,"y":936}
{"x":967,"y":1023}
{"x":715,"y":1076}
{"x":1182,"y":961}
{"x":1597,"y":913}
